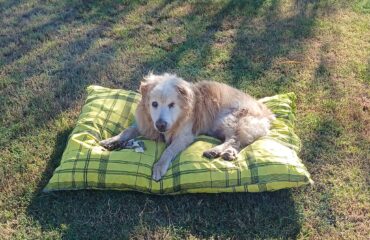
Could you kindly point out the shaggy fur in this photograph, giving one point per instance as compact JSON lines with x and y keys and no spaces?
{"x":177,"y":111}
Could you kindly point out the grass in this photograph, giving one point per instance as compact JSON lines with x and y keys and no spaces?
{"x":51,"y":50}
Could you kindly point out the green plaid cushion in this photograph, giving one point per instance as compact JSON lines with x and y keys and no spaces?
{"x":269,"y":164}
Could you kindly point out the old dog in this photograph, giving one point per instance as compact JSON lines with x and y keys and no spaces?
{"x":176,"y":111}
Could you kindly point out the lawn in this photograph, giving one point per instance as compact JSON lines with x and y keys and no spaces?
{"x":51,"y":50}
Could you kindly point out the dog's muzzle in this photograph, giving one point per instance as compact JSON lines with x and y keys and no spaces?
{"x":161,"y":125}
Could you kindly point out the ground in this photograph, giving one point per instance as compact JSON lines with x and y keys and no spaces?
{"x":51,"y":50}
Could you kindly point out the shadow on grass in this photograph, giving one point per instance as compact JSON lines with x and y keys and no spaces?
{"x":327,"y":128}
{"x":112,"y":214}
{"x":322,"y":140}
{"x":275,"y":39}
{"x":54,"y":159}
{"x":199,"y":41}
{"x":49,"y":75}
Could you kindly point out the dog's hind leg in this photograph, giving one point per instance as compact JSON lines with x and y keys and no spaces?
{"x":215,"y":152}
{"x":227,"y":150}
{"x":230,"y":152}
{"x":225,"y":128}
{"x":250,"y":128}
{"x":239,"y":130}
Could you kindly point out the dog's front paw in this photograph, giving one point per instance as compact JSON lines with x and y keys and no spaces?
{"x":111,"y":143}
{"x":159,"y":170}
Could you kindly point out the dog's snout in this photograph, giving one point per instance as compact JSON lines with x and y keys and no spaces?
{"x":161,"y":125}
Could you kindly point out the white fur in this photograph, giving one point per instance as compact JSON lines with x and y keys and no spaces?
{"x":164,"y":95}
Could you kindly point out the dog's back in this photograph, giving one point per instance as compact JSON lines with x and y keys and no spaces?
{"x":215,"y":99}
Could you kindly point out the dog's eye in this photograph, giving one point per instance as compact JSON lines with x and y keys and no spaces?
{"x":154,"y":104}
{"x":171,"y":105}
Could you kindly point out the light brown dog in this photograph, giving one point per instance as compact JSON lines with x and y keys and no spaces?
{"x":177,"y":111}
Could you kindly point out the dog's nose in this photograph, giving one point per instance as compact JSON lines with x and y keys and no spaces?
{"x":161,"y":125}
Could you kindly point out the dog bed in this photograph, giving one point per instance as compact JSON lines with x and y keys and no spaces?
{"x":270,"y":163}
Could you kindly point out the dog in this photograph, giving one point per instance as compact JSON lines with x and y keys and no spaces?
{"x":176,"y":111}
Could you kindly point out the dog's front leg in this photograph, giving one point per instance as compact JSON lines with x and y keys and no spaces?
{"x":119,"y":140}
{"x":177,"y":145}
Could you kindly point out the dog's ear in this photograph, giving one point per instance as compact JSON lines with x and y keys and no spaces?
{"x":144,"y":88}
{"x":185,"y":92}
{"x":149,"y":81}
{"x":182,"y":90}
{"x":186,"y":96}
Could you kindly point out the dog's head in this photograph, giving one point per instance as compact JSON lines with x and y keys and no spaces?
{"x":167,"y":99}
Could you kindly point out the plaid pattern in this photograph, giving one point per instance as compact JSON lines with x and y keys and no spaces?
{"x":269,"y":164}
